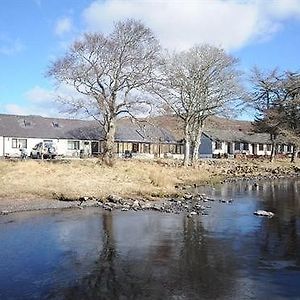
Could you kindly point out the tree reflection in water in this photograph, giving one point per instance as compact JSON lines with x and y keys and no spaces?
{"x":221,"y":256}
{"x":196,"y":265}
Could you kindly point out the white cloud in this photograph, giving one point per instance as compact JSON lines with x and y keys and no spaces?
{"x":31,"y":109}
{"x":43,"y":102}
{"x":180,"y":24}
{"x":63,"y":26}
{"x":15,"y":109}
{"x":37,"y":101}
{"x":10,"y":46}
{"x":39,"y":95}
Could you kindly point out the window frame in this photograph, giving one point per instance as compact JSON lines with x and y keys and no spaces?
{"x":237,"y":148}
{"x":16,"y":143}
{"x":218,"y":145}
{"x":75,"y":145}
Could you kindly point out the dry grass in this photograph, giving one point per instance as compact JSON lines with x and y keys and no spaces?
{"x":72,"y":179}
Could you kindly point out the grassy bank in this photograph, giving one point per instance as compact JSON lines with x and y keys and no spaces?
{"x":131,"y":178}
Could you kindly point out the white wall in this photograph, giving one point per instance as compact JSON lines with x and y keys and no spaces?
{"x":1,"y":145}
{"x":222,"y":150}
{"x":242,"y":147}
{"x":264,"y":151}
{"x":61,"y":146}
{"x":9,"y":150}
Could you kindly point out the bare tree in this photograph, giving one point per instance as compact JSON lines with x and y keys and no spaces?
{"x":108,"y":72}
{"x":267,"y":98}
{"x":290,"y":115}
{"x":195,"y":85}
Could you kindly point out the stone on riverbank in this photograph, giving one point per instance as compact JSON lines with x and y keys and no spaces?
{"x":264,"y":213}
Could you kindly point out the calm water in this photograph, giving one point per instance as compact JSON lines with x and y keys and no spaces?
{"x":91,"y":254}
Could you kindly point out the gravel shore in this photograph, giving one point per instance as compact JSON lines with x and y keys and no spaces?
{"x":18,"y":205}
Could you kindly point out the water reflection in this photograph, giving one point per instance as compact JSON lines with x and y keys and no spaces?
{"x":168,"y":270}
{"x":91,"y":254}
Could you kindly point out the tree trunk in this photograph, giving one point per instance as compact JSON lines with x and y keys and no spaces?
{"x":108,"y":153}
{"x":295,"y":154}
{"x":187,"y":149}
{"x":187,"y":146}
{"x":273,"y":151}
{"x":196,"y":143}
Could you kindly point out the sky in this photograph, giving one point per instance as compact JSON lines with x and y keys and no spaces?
{"x":33,"y":33}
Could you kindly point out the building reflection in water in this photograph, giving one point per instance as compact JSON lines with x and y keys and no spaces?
{"x":229,"y":254}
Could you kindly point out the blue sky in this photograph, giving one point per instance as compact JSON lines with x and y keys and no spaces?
{"x":265,"y":33}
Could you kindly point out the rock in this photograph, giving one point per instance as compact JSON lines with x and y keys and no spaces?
{"x":146,"y":205}
{"x":211,"y":199}
{"x":199,"y":206}
{"x":264,"y":213}
{"x":135,"y":204}
{"x":4,"y":213}
{"x":296,"y":169}
{"x":114,"y":199}
{"x":124,"y":209}
{"x":156,"y":207}
{"x":112,"y":204}
{"x":226,"y":201}
{"x":83,"y":199}
{"x":188,"y":196}
{"x":191,"y":214}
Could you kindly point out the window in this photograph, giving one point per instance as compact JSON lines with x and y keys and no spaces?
{"x":289,"y":148}
{"x":269,"y":147}
{"x":48,"y":143}
{"x":178,"y":149}
{"x":281,"y":148}
{"x":135,"y":147}
{"x":27,"y":123}
{"x":218,"y":145}
{"x":14,"y":143}
{"x":261,"y":147}
{"x":237,"y":146}
{"x":19,"y":143}
{"x":146,"y":148}
{"x":73,"y":145}
{"x":246,"y":146}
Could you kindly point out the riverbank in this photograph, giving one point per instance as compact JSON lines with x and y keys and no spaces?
{"x":32,"y":185}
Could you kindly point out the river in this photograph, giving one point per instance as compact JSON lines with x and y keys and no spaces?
{"x":95,"y":254}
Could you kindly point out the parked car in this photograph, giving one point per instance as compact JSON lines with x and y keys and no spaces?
{"x":43,"y":150}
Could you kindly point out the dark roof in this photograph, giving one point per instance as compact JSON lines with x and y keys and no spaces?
{"x":55,"y":128}
{"x":141,"y":131}
{"x":230,"y":135}
{"x":40,"y":127}
{"x":175,"y":124}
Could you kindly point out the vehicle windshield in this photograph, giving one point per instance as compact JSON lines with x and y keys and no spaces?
{"x":48,"y":144}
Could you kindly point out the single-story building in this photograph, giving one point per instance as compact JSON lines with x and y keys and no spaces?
{"x":73,"y":138}
{"x":220,"y":142}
